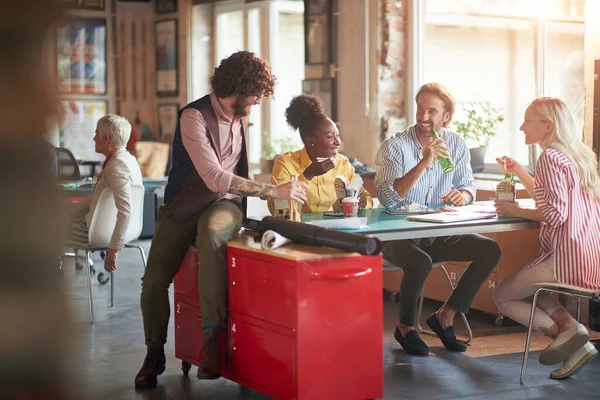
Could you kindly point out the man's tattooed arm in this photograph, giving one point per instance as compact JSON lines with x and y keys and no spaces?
{"x":245,"y":187}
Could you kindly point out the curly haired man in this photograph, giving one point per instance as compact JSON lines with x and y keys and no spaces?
{"x":205,"y":199}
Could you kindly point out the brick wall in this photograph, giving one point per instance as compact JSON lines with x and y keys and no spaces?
{"x":391,"y":71}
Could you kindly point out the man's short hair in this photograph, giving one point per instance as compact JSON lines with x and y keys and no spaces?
{"x":117,"y":128}
{"x":441,"y":92}
{"x":244,"y":74}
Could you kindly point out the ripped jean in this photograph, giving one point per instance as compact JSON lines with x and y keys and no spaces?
{"x":214,"y":228}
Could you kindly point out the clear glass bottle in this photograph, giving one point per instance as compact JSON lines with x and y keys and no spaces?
{"x":295,"y":208}
{"x":445,"y":162}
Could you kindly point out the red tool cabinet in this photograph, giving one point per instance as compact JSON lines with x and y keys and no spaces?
{"x":304,"y":322}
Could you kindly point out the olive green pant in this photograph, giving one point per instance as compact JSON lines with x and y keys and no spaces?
{"x":214,"y":228}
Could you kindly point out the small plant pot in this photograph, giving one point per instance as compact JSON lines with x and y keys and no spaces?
{"x":478,"y":158}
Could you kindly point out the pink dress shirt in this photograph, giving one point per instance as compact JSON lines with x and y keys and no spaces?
{"x":194,"y":134}
{"x":572,"y":230}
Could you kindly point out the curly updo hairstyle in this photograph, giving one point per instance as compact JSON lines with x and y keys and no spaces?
{"x":304,"y":113}
{"x":243,"y":73}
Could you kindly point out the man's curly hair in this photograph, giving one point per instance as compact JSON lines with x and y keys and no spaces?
{"x":243,"y":73}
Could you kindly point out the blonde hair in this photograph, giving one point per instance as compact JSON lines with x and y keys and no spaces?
{"x":441,"y":92}
{"x":564,"y":138}
{"x":117,"y":128}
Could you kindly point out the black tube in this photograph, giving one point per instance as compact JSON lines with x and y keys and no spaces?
{"x":317,"y":236}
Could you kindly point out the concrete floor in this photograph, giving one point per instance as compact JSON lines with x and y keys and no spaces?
{"x":108,"y":354}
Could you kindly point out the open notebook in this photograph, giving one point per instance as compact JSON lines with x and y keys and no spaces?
{"x":447,"y":217}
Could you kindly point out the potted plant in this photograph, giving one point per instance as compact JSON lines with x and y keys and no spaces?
{"x":478,"y":125}
{"x":276,"y":147}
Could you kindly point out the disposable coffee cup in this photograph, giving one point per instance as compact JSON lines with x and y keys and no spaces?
{"x":350,"y":206}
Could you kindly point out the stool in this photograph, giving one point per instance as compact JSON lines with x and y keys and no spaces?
{"x":388,"y":266}
{"x":554,"y":287}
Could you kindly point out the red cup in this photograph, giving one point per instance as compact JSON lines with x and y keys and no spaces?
{"x":350,"y":207}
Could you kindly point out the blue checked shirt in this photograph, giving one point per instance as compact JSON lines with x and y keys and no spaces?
{"x":400,"y":153}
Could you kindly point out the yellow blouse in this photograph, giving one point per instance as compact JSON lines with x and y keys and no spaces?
{"x":321,"y":191}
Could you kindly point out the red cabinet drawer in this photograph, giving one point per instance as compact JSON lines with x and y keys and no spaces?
{"x":262,"y":290}
{"x":186,"y":280}
{"x":188,"y":332}
{"x":263,"y":357}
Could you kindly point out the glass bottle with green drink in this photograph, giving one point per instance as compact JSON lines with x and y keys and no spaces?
{"x":445,"y":162}
{"x":507,"y":188}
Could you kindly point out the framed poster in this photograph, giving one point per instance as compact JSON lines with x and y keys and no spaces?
{"x":167,"y":121}
{"x":325,"y":89}
{"x":166,"y":57}
{"x":79,"y":119}
{"x":317,"y":31}
{"x":85,"y":4}
{"x":166,"y":6}
{"x":81,"y":56}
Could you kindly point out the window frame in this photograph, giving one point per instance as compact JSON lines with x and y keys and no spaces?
{"x":416,"y":10}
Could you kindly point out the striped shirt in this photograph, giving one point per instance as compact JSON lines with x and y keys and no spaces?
{"x":400,"y":153}
{"x":572,"y":227}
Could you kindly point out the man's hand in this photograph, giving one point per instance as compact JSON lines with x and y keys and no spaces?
{"x":437,"y":147}
{"x":290,"y":191}
{"x":110,"y":261}
{"x":455,"y":198}
{"x":507,"y":208}
{"x":318,"y":168}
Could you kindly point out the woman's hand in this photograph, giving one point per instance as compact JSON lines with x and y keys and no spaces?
{"x":510,"y":166}
{"x":318,"y":168}
{"x":362,"y":200}
{"x":507,"y":208}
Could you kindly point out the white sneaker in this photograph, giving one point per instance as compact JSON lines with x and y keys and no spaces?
{"x":575,"y":362}
{"x":564,"y":345}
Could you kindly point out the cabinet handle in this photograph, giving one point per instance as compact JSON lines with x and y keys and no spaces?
{"x":339,"y":274}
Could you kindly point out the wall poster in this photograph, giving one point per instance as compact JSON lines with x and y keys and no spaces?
{"x":78,"y":127}
{"x":166,"y":58}
{"x":167,"y":121}
{"x":81,"y":56}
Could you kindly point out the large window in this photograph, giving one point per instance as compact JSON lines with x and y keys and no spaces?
{"x":504,"y":53}
{"x":274,"y":30}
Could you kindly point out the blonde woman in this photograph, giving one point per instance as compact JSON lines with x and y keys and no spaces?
{"x":566,"y":189}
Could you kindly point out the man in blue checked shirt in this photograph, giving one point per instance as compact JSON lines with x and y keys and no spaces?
{"x":407,"y":173}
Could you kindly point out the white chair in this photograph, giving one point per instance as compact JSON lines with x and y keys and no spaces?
{"x":101,"y":229}
{"x":559,"y":288}
{"x":388,"y":266}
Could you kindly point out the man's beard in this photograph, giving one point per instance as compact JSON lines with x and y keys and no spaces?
{"x":239,"y":107}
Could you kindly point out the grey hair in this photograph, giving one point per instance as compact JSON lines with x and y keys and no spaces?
{"x":117,"y":128}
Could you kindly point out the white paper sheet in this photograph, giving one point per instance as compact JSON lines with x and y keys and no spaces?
{"x":272,"y":240}
{"x":342,"y":223}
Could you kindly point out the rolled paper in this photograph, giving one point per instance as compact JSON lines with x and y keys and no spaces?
{"x":273,"y":240}
{"x":317,"y":236}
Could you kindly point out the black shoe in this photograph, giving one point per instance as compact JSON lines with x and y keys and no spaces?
{"x":154,"y":365}
{"x":447,"y":335}
{"x":412,"y":343}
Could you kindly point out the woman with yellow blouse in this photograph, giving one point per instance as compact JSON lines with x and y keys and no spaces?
{"x":321,"y":139}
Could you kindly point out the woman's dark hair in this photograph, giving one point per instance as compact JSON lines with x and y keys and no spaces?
{"x":304,"y":113}
{"x":243,"y":73}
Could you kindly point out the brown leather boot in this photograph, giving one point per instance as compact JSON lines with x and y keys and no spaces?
{"x":210,"y":364}
{"x":154,"y":365}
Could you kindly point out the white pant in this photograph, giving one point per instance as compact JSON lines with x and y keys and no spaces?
{"x":514,"y":295}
